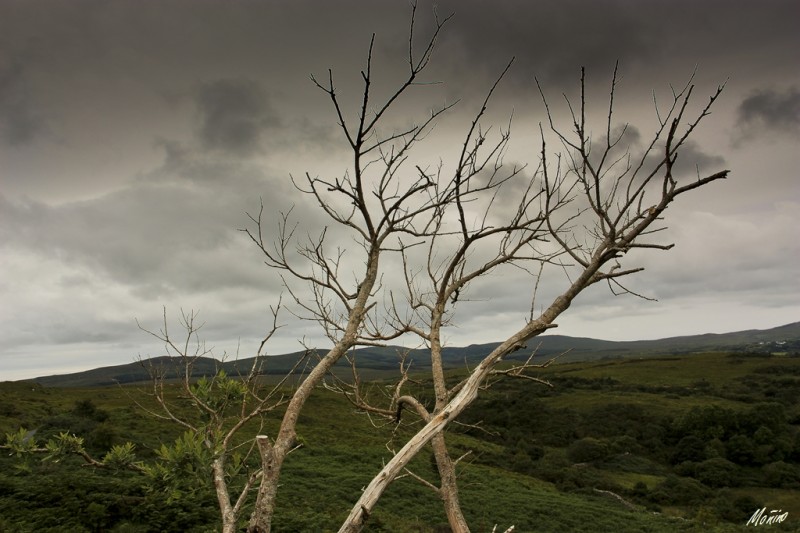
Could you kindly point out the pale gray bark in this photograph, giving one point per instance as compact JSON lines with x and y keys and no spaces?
{"x":614,"y":200}
{"x":448,"y":491}
{"x":382,"y":206}
{"x":274,"y":454}
{"x":386,"y":212}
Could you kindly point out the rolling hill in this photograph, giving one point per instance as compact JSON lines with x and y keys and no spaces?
{"x":380,"y":361}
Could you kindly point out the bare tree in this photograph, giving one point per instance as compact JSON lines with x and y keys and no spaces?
{"x":376,"y":203}
{"x":579,"y":212}
{"x":447,"y":270}
{"x":373,"y":202}
{"x":582,"y":211}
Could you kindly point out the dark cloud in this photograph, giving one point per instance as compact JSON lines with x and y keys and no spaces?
{"x":240,"y":114}
{"x":769,"y":112}
{"x":20,"y":123}
{"x":628,"y":142}
{"x":628,"y":145}
{"x":551,"y":40}
{"x":692,"y":160}
{"x":234,"y":114}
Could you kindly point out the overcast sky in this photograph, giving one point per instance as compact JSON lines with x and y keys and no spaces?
{"x":135,"y":135}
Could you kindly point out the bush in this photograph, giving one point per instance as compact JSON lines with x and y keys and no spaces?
{"x":782,"y":475}
{"x":625,"y":444}
{"x":740,"y":449}
{"x":521,"y":462}
{"x":689,"y":448}
{"x":87,"y":409}
{"x":676,"y":490}
{"x":587,"y":450}
{"x":639,"y":490}
{"x":717,"y":472}
{"x":736,"y":510}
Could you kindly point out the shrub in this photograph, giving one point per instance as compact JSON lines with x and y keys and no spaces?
{"x":740,"y":449}
{"x":782,"y":475}
{"x":676,"y":490}
{"x":736,"y":510}
{"x":717,"y":472}
{"x":587,"y":450}
{"x":689,"y":448}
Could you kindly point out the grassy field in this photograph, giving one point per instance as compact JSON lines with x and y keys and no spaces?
{"x":717,"y":369}
{"x":680,"y":439}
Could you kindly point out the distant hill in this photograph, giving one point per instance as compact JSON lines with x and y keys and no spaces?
{"x":382,"y":361}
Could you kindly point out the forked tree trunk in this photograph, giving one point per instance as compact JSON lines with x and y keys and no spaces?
{"x":372,"y":493}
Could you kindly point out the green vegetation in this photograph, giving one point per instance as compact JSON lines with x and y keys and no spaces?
{"x":691,"y":443}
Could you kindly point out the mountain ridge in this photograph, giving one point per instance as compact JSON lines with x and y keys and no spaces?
{"x":380,"y":361}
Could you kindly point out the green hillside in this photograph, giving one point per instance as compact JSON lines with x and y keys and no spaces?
{"x":657,"y":444}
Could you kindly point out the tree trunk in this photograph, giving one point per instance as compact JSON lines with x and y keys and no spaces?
{"x":273,"y":455}
{"x":447,"y":473}
{"x":372,"y":493}
{"x":221,"y":488}
{"x":449,"y":487}
{"x":271,"y":462}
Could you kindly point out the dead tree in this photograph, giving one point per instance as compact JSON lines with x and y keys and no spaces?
{"x":375,"y":202}
{"x":582,"y":211}
{"x":477,"y":178}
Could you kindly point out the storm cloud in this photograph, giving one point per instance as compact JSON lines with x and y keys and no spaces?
{"x":235,"y":114}
{"x":768,"y":111}
{"x":20,"y":122}
{"x":136,"y":136}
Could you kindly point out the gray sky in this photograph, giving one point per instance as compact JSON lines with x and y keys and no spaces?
{"x":135,"y":135}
